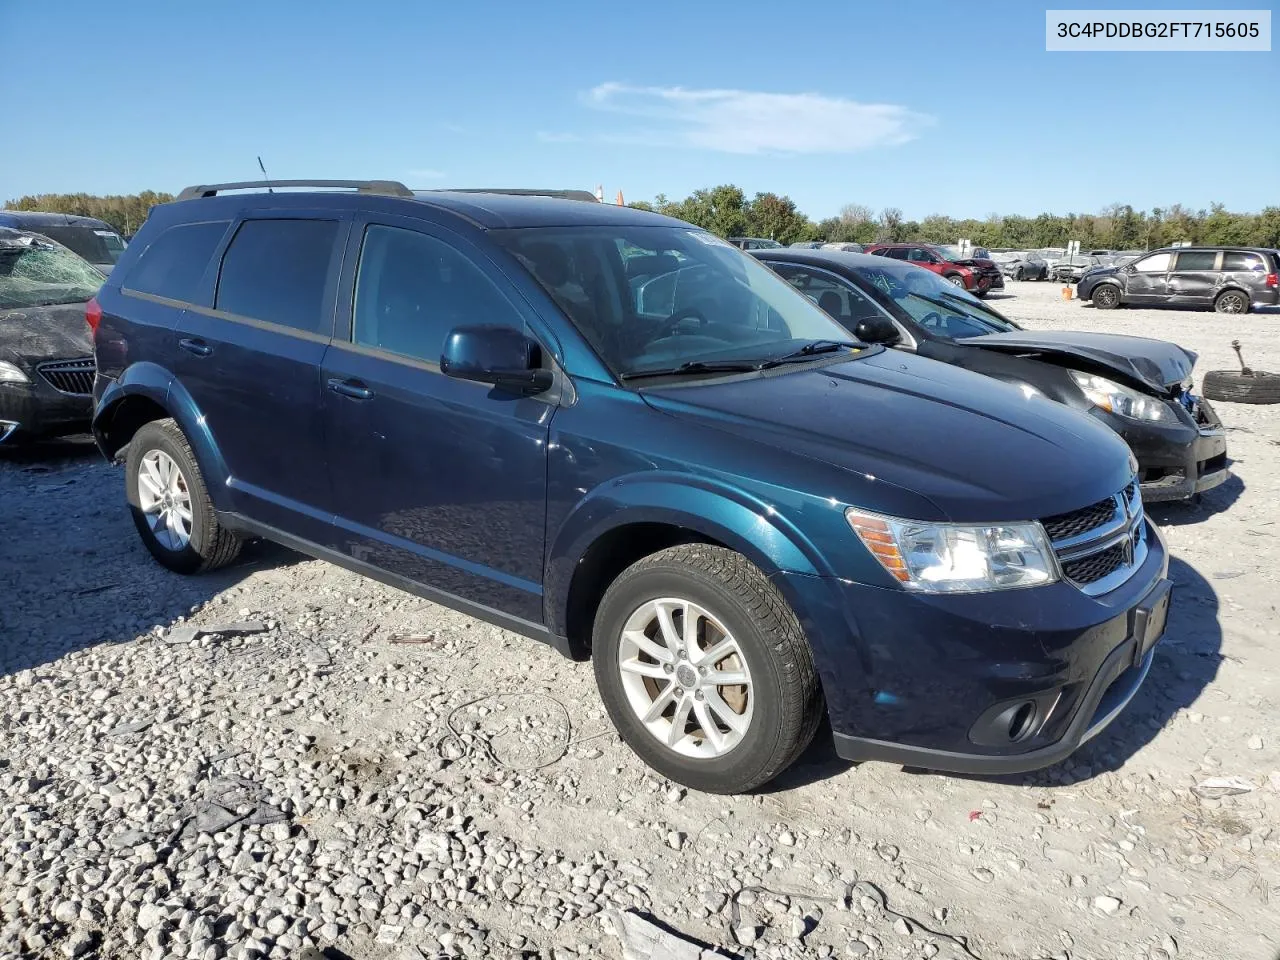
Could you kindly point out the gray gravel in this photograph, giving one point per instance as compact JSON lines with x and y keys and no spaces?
{"x":283,"y":755}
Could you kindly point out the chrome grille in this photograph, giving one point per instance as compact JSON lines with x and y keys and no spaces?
{"x":69,"y":376}
{"x":1100,"y":546}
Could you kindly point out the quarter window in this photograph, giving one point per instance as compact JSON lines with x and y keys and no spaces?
{"x":1156,"y":263}
{"x":412,"y":289}
{"x":1237,"y":260}
{"x":174,"y":262}
{"x":1197,"y":260}
{"x":276,"y":270}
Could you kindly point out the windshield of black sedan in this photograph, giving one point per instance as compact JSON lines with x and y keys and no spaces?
{"x":656,"y":298}
{"x":37,"y":273}
{"x":936,"y":305}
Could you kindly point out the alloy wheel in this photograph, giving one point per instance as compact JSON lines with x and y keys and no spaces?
{"x":1105,"y":296}
{"x":1232,"y":303}
{"x":685,"y":677}
{"x":165,"y":500}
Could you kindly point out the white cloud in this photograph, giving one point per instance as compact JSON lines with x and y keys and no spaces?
{"x":428,"y":174}
{"x":744,"y":121}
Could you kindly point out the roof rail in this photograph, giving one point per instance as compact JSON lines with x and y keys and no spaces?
{"x":525,"y":192}
{"x":386,"y":188}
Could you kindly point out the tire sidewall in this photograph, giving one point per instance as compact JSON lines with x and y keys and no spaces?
{"x":1106,"y":289}
{"x":1232,"y":294}
{"x":741,"y":765}
{"x":155,"y":437}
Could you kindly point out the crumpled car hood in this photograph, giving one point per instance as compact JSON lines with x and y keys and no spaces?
{"x":36,"y":334}
{"x":1156,"y":365}
{"x":975,"y":447}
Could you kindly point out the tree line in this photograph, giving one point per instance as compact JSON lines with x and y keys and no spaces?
{"x":124,"y":212}
{"x":726,"y":210}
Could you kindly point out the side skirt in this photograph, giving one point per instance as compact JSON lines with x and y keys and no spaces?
{"x":534,"y":631}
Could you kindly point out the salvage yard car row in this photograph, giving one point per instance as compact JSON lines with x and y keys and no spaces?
{"x":755,"y":489}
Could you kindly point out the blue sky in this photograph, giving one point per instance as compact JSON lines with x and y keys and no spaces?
{"x":926,"y":106}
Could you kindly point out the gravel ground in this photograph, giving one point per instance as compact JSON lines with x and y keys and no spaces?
{"x":335,"y":765}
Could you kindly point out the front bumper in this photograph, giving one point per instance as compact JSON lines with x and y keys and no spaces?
{"x":36,"y":409}
{"x":932,"y":681}
{"x":1176,"y":461}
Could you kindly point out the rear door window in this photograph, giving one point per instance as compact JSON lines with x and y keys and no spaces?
{"x":1238,"y":261}
{"x":1197,"y":260}
{"x":896,"y":253}
{"x":174,"y":262}
{"x":277,"y":270}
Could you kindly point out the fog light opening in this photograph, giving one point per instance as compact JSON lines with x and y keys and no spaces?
{"x":1022,"y":723}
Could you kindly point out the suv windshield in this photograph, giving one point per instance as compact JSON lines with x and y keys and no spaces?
{"x":938,"y":306}
{"x":36,"y":273}
{"x":93,"y":243}
{"x":651,"y":299}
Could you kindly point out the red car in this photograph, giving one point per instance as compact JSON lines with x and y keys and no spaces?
{"x":978,"y":275}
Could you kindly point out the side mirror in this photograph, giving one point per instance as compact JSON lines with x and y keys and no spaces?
{"x":876,"y":330}
{"x":499,"y":355}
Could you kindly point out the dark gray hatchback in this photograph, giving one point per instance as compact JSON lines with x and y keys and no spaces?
{"x":1229,"y":279}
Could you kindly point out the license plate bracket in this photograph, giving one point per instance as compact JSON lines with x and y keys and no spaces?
{"x":1150,"y":618}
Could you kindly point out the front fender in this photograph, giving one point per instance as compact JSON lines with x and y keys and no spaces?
{"x":707,"y":507}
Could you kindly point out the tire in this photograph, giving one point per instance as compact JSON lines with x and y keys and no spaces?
{"x":1106,"y":296}
{"x":206,"y":545}
{"x":1234,"y":387}
{"x":955,"y":279}
{"x":739,"y":606}
{"x":1232,"y":301}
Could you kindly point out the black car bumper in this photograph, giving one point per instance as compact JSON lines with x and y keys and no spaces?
{"x":1176,"y":461}
{"x":939,"y":682}
{"x":36,"y":409}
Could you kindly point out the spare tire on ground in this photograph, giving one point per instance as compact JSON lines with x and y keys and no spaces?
{"x":1236,"y":387}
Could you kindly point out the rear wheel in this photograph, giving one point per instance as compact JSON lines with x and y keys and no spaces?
{"x":170,"y":503}
{"x":705,"y":670}
{"x":1232,"y":301}
{"x":1106,"y":296}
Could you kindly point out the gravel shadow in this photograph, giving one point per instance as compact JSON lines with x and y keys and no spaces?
{"x":74,"y":571}
{"x":1179,"y":513}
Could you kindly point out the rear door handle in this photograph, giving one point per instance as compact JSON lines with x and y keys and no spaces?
{"x":351,"y":388}
{"x":198,"y":347}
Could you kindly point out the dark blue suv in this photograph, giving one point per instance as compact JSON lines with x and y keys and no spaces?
{"x":614,"y":432}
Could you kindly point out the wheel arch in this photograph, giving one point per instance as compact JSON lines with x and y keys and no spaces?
{"x":145,"y":393}
{"x":616,"y":527}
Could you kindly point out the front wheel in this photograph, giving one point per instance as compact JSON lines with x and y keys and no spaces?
{"x":1232,"y":301}
{"x":956,"y":280}
{"x":704,"y":669}
{"x":170,"y":503}
{"x":1106,"y":296}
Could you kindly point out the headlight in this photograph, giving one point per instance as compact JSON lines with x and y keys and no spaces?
{"x":956,"y":558}
{"x":1112,"y":397}
{"x":11,"y":374}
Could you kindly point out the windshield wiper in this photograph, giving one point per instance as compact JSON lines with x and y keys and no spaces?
{"x":695,"y":366}
{"x":810,"y":349}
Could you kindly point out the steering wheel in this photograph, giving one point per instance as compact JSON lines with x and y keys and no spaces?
{"x":932,"y":320}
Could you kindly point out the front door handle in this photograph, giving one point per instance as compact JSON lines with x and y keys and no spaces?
{"x":351,"y":388}
{"x":198,"y":347}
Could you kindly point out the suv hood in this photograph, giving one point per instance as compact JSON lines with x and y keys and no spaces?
{"x":978,"y":449}
{"x":1156,"y":366}
{"x":36,"y":334}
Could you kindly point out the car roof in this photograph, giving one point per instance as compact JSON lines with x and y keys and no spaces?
{"x":1205,"y":248}
{"x":489,"y":211}
{"x":33,"y":218}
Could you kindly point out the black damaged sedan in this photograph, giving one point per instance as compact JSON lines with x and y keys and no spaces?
{"x":1140,"y":388}
{"x":46,"y":356}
